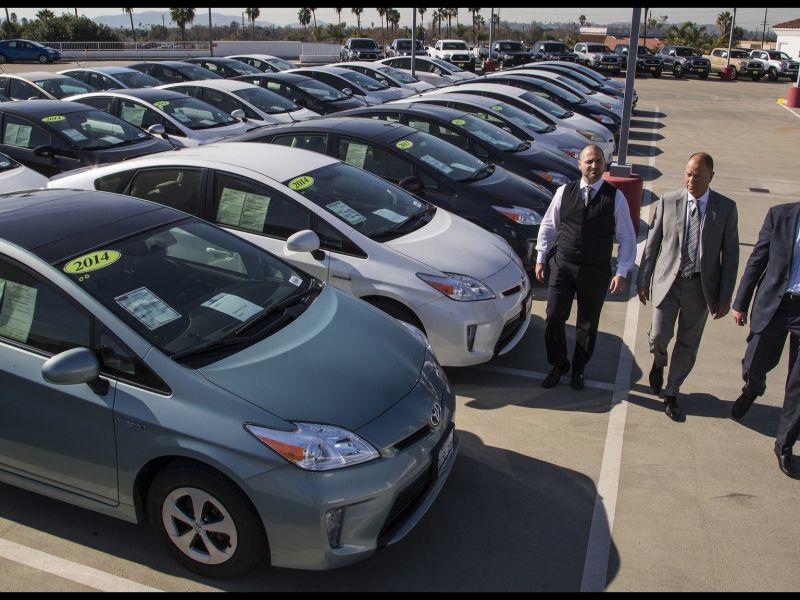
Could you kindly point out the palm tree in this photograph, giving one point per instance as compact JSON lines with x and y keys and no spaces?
{"x":440,"y":15}
{"x":304,"y":16}
{"x":381,"y":13}
{"x":393,"y":17}
{"x":252,"y":15}
{"x":130,"y":14}
{"x":314,"y":14}
{"x":476,"y":15}
{"x":182,"y":17}
{"x":357,"y":12}
{"x":724,"y":20}
{"x":339,"y":14}
{"x":45,"y":14}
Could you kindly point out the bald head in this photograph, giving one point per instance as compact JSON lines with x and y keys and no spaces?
{"x":592,"y":163}
{"x":698,"y":173}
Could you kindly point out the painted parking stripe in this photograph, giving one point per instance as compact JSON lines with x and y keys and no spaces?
{"x":66,"y":569}
{"x":602,"y":385}
{"x":790,"y":110}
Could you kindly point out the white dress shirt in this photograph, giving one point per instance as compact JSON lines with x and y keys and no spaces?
{"x":702,"y":203}
{"x":623,"y":227}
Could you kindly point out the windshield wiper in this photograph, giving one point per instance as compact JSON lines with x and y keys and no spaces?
{"x":292,"y":301}
{"x":523,"y":145}
{"x":420,"y":214}
{"x":481,"y":172}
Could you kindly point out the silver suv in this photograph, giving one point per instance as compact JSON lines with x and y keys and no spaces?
{"x":683,"y":60}
{"x":598,"y":56}
{"x":779,"y":64}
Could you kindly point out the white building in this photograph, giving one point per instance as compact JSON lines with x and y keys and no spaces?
{"x":788,"y":38}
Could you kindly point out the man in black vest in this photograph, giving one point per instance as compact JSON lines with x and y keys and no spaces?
{"x":577,"y":236}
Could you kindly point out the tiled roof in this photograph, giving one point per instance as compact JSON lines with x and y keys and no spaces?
{"x":793,"y":24}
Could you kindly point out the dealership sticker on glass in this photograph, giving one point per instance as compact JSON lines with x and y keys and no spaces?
{"x":458,"y":122}
{"x":497,"y":107}
{"x":301,"y":183}
{"x":148,"y":308}
{"x":348,"y":214}
{"x":404,"y":144}
{"x":436,"y":164}
{"x":356,"y":155}
{"x":161,"y":103}
{"x":295,"y":280}
{"x":242,"y":209}
{"x":54,"y":119}
{"x":16,"y":314}
{"x":233,"y":305}
{"x":389,"y":215}
{"x":74,"y":135}
{"x":92,"y":261}
{"x":17,"y":135}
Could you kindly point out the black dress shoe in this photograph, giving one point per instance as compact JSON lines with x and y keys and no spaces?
{"x":577,"y":381}
{"x":554,"y":376}
{"x":656,"y":379}
{"x":787,"y":466}
{"x":672,"y":409}
{"x":742,"y":405}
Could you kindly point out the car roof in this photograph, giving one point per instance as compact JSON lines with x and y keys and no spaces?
{"x":440,"y":112}
{"x":509,"y":90}
{"x":260,"y":56}
{"x":282,"y":76}
{"x":36,"y":75}
{"x":372,"y":129}
{"x":333,"y":69}
{"x":42,"y":108}
{"x":473,"y":99}
{"x":212,"y":59}
{"x":167,"y":63}
{"x":58,"y":224}
{"x":146,"y":94}
{"x":228,"y":85}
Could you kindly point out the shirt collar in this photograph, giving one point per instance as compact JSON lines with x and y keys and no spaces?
{"x":701,"y":201}
{"x":595,"y":186}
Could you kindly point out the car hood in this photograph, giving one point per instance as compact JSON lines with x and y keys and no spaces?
{"x":114,"y":155}
{"x":454,"y":245}
{"x":510,"y":189}
{"x":205,"y":136}
{"x":341,"y":362}
{"x":295,"y":115}
{"x":549,"y":159}
{"x":387,"y":95}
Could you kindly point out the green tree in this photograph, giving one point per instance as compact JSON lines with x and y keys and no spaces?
{"x":45,"y":14}
{"x":252,"y":15}
{"x":381,"y":13}
{"x":724,"y":20}
{"x":476,"y":23}
{"x":130,"y":14}
{"x":393,"y":17}
{"x":304,"y":16}
{"x":182,"y":16}
{"x":357,"y":12}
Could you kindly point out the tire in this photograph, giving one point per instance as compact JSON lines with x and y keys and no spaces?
{"x":677,"y":71}
{"x":396,"y":310}
{"x":756,"y":76}
{"x":734,"y":73}
{"x":703,"y":76}
{"x":656,"y":74}
{"x":44,"y":59}
{"x":772,"y":73}
{"x":200,"y":544}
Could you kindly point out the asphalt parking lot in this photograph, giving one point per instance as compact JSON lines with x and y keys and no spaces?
{"x":553,"y":490}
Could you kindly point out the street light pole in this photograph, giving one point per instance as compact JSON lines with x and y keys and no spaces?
{"x":730,"y":40}
{"x":210,"y":35}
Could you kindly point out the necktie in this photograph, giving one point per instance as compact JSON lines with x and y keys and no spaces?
{"x":587,"y":195}
{"x":692,"y":240}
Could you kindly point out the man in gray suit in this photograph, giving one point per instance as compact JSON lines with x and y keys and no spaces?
{"x":691,"y":258}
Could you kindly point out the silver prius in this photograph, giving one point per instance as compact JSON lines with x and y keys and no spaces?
{"x":154,"y":366}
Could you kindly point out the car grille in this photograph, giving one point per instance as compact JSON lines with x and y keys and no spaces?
{"x":459,"y":57}
{"x":793,"y":67}
{"x":609,"y":60}
{"x":755,"y":65}
{"x":699,"y":63}
{"x":653,"y":62}
{"x":367,"y":55}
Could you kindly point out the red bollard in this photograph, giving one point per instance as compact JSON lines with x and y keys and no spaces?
{"x":631,"y":187}
{"x":793,"y":98}
{"x":489,"y":66}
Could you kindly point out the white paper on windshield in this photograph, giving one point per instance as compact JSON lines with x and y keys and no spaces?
{"x":421,"y":125}
{"x":133,"y":114}
{"x":390,"y":215}
{"x":232,"y":305}
{"x":17,"y":135}
{"x":348,"y":214}
{"x":74,"y":135}
{"x":242,"y":209}
{"x":16,"y":315}
{"x":208,"y":122}
{"x":151,"y":310}
{"x":182,"y":117}
{"x":295,"y":280}
{"x":464,"y":167}
{"x":417,"y":203}
{"x":111,"y":139}
{"x":356,"y":155}
{"x":437,"y":164}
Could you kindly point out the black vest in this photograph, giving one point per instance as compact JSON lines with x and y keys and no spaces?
{"x":586,"y":235}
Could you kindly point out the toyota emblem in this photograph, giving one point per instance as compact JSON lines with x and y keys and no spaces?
{"x":436,"y":414}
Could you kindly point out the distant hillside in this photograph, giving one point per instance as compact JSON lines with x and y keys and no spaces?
{"x":154,"y":17}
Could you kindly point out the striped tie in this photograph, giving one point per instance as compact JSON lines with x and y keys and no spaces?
{"x":692,"y":239}
{"x":587,"y":195}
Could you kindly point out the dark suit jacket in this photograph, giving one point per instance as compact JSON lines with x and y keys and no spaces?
{"x":719,"y":241}
{"x":769,"y":266}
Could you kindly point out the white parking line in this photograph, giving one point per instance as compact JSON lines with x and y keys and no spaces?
{"x":595,"y":567}
{"x":67,"y":569}
{"x":790,"y":110}
{"x":602,"y":385}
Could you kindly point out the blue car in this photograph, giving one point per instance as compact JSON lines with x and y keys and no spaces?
{"x":11,"y":50}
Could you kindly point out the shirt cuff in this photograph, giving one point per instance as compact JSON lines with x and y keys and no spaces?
{"x":541,"y":256}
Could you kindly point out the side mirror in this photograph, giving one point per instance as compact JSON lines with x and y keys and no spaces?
{"x":411,"y":184}
{"x":239,"y":114}
{"x":348,"y":92}
{"x":75,"y":366}
{"x":157,"y":129}
{"x":303,"y":241}
{"x":44,"y":151}
{"x":437,"y":71}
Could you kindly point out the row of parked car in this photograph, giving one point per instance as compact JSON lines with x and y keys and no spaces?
{"x":232,"y":308}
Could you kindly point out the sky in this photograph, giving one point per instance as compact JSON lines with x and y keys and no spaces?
{"x":748,"y":18}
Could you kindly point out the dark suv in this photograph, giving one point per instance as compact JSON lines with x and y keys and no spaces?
{"x":402,"y":47}
{"x":360,"y":49}
{"x":508,"y":53}
{"x":683,"y":60}
{"x":646,"y":60}
{"x":552,"y":50}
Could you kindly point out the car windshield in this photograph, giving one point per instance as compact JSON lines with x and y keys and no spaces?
{"x":406,"y":45}
{"x":194,"y":73}
{"x":364,"y":81}
{"x":554,"y":47}
{"x":320,"y":91}
{"x":491,"y":134}
{"x":194,"y":113}
{"x":778,"y":55}
{"x":575,"y":84}
{"x":448,"y":67}
{"x":242,"y":68}
{"x":265,"y":100}
{"x":364,"y":44}
{"x":686,"y":52}
{"x":283,"y":65}
{"x":188,"y":284}
{"x":400,"y":76}
{"x":597,"y":48}
{"x":366,"y":202}
{"x":61,"y":87}
{"x":454,"y":46}
{"x":546,"y":105}
{"x":93,"y":129}
{"x":560,"y":92}
{"x":511,"y":47}
{"x":520,"y":117}
{"x":739,"y":54}
{"x":445,"y":158}
{"x":134,"y":79}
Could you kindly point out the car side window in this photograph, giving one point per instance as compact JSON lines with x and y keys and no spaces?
{"x":35,"y":314}
{"x":21,"y":90}
{"x":189,"y":90}
{"x":250,"y":206}
{"x":99,"y":102}
{"x":374,"y":159}
{"x":222,"y":101}
{"x":174,"y":187}
{"x":116,"y":182}
{"x":137,"y":114}
{"x":388,"y":117}
{"x":316,"y":142}
{"x":24,"y":134}
{"x":168,"y":75}
{"x":449,"y":135}
{"x":334,"y":241}
{"x":102,"y":82}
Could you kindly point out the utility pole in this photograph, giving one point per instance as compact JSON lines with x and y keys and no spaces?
{"x":730,"y":40}
{"x":644,"y":36}
{"x":211,"y":35}
{"x":413,"y":40}
{"x":764,"y":31}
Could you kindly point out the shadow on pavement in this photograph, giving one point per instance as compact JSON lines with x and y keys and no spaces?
{"x":646,"y":172}
{"x":649,"y":114}
{"x":645,"y":136}
{"x":646,"y":124}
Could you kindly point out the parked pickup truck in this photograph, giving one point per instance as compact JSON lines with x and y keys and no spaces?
{"x":552,"y":50}
{"x":646,"y":60}
{"x":683,"y":60}
{"x":402,"y":47}
{"x":454,"y":51}
{"x":740,"y":63}
{"x":598,"y":57}
{"x":509,"y":53}
{"x":778,"y":64}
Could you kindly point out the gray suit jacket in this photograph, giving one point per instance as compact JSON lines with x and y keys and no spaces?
{"x":719,"y":241}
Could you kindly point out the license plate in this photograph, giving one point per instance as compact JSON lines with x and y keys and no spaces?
{"x":654,"y":68}
{"x":461,"y":64}
{"x":445,"y":450}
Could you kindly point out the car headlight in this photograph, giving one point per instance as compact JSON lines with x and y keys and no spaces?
{"x":520,"y":215}
{"x":552,"y":177}
{"x":603,"y":119}
{"x":591,"y":136}
{"x":459,"y":287}
{"x":572,"y":152}
{"x":316,"y":447}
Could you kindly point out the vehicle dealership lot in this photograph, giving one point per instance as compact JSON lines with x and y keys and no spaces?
{"x":690,"y":506}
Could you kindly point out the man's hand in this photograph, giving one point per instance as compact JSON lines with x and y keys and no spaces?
{"x":618,"y":284}
{"x":720,"y":310}
{"x":740,"y":318}
{"x":539,"y":271}
{"x":644,"y":294}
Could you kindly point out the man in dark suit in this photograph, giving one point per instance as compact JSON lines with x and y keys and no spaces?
{"x":691,"y":258}
{"x":577,"y":235}
{"x":774,"y":266}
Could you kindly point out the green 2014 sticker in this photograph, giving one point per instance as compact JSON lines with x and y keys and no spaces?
{"x":301,"y":183}
{"x":404,"y":144}
{"x":497,"y":107}
{"x":458,"y":121}
{"x":92,"y":261}
{"x":54,"y":119}
{"x":161,"y":103}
